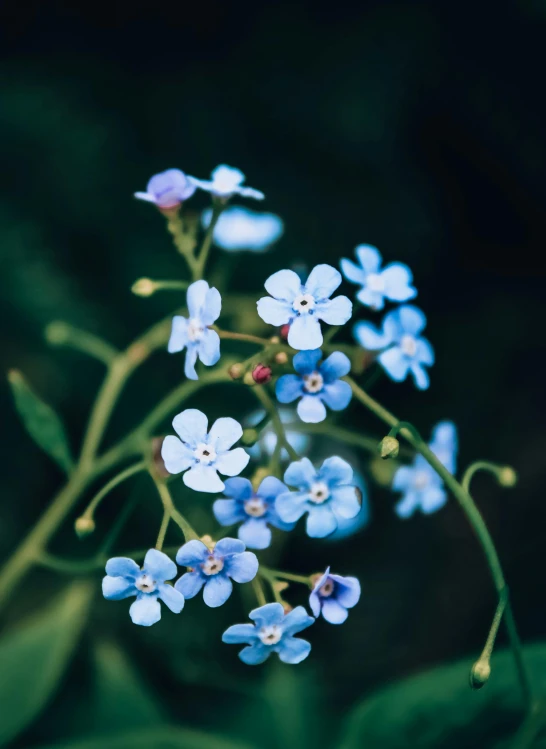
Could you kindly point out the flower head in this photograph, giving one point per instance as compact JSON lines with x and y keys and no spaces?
{"x":255,"y":510}
{"x":326,"y":495}
{"x":239,"y":228}
{"x":421,"y":487}
{"x":124,"y":579}
{"x":226,"y":182}
{"x":393,"y":282}
{"x":316,"y":384}
{"x":204,"y":454}
{"x":332,"y":595}
{"x":167,"y":189}
{"x":272,"y":632}
{"x":402,"y":348}
{"x":193,"y":333}
{"x":303,"y":305}
{"x":215,"y":569}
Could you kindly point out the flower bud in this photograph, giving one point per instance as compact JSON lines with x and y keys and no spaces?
{"x":249,"y":380}
{"x":284,"y":331}
{"x":281,"y":357}
{"x":507,"y":477}
{"x":480,"y":673}
{"x":274,"y":339}
{"x":57,"y":333}
{"x":249,"y":437}
{"x":261,"y":374}
{"x":144,"y":287}
{"x":84,"y":526}
{"x":389,"y":447}
{"x":236,"y":371}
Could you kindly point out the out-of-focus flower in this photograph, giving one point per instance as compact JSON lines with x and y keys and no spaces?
{"x":402,"y":348}
{"x":193,"y":333}
{"x":204,"y":454}
{"x":227,"y":181}
{"x":272,"y":632}
{"x":215,"y":569}
{"x":392,"y":283}
{"x":239,"y":228}
{"x":316,"y":384}
{"x":302,"y":306}
{"x":167,"y":189}
{"x":349,"y":526}
{"x":332,"y":595}
{"x":254,"y":509}
{"x":125,"y":579}
{"x":265,"y":446}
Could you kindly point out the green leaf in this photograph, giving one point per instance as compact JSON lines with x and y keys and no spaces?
{"x":41,"y":421}
{"x":34,"y":656}
{"x":437,"y":709}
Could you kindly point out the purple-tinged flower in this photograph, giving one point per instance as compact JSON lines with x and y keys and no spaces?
{"x":332,"y":595}
{"x":392,"y":283}
{"x":215,"y":569}
{"x":167,"y":189}
{"x":227,"y":182}
{"x":254,"y":509}
{"x":193,"y":333}
{"x":402,"y":348}
{"x":272,"y":632}
{"x":302,"y":306}
{"x":239,"y":228}
{"x":326,"y":495}
{"x":205,"y":455}
{"x":124,"y":579}
{"x":421,"y":487}
{"x":316,"y":385}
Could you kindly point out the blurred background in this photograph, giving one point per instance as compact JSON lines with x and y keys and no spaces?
{"x":417,"y":127}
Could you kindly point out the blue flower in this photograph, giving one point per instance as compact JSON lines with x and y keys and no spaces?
{"x":421,"y":487}
{"x":273,"y":632}
{"x":226,"y":182}
{"x":301,"y":306}
{"x":204,"y":454}
{"x":349,"y":526}
{"x":327,"y":495}
{"x":256,"y":510}
{"x":402,"y":348}
{"x":316,"y":385}
{"x":124,"y":579}
{"x":215,"y":569}
{"x":332,"y":595}
{"x":193,"y":333}
{"x":167,"y":189}
{"x":393,"y":282}
{"x":240,"y":228}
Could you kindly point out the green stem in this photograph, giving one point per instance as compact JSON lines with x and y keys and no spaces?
{"x":201,"y":262}
{"x":62,"y":334}
{"x":171,"y":511}
{"x":163,"y":530}
{"x":241,"y":336}
{"x":127,"y":473}
{"x":273,"y":575}
{"x":183,"y":242}
{"x":483,"y":465}
{"x":276,"y":422}
{"x":259,"y":591}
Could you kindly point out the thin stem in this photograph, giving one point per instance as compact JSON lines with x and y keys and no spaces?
{"x":342,"y":435}
{"x":171,"y":285}
{"x":495,"y":624}
{"x":241,"y":336}
{"x":259,"y":591}
{"x":62,"y":334}
{"x":270,"y":574}
{"x":184,"y":242}
{"x":276,"y":422}
{"x":201,"y":262}
{"x":170,"y":509}
{"x":330,"y":333}
{"x":483,"y":465}
{"x":163,"y":530}
{"x":127,"y":473}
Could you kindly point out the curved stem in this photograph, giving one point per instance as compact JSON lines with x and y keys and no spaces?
{"x":241,"y":336}
{"x":62,"y":334}
{"x":276,"y":422}
{"x":171,"y":511}
{"x":127,"y":473}
{"x":201,"y":261}
{"x":270,"y":574}
{"x":482,"y":465}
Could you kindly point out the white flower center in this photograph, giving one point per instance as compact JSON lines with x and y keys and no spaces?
{"x":421,"y":480}
{"x":375,"y":282}
{"x":319,"y":492}
{"x":146,"y":583}
{"x":270,"y":635}
{"x":205,"y":454}
{"x":327,"y":589}
{"x":408,"y":344}
{"x":255,"y":507}
{"x":212,"y":566}
{"x":313,"y":382}
{"x":304,"y":303}
{"x":196,"y":329}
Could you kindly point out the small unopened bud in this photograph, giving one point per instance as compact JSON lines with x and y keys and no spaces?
{"x":480,"y":673}
{"x":249,"y":437}
{"x":382,"y":470}
{"x":261,"y":374}
{"x":507,"y":477}
{"x":57,"y":333}
{"x":84,"y":526}
{"x":248,"y":379}
{"x":236,"y":371}
{"x":389,"y":447}
{"x":281,"y":357}
{"x":274,"y":339}
{"x":284,"y":331}
{"x":144,"y":287}
{"x":159,"y":463}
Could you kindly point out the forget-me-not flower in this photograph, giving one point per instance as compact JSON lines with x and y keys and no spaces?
{"x":215,"y":569}
{"x":167,"y":189}
{"x":254,"y":509}
{"x":302,"y":306}
{"x":272,"y":632}
{"x":316,"y":385}
{"x":204,"y":454}
{"x":349,"y":526}
{"x":392,"y":283}
{"x":403,"y":350}
{"x":193,"y":333}
{"x":326,"y":495}
{"x":226,"y":182}
{"x":239,"y":228}
{"x":267,"y":442}
{"x":332,"y":595}
{"x":421,"y":487}
{"x":124,"y":579}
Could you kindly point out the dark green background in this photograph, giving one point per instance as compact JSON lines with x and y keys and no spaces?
{"x":418,"y":127}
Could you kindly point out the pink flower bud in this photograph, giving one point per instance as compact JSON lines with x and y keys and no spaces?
{"x":261,"y":374}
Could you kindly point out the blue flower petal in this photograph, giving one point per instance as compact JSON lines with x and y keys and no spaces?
{"x":433,"y":499}
{"x":288,"y":388}
{"x":347,"y":590}
{"x":226,"y":547}
{"x":306,"y":362}
{"x":333,"y":611}
{"x":369,"y":257}
{"x":217,"y":590}
{"x":395,"y":363}
{"x":337,"y":395}
{"x":179,"y":334}
{"x":335,"y":311}
{"x":228,"y":511}
{"x":296,"y":620}
{"x":239,"y":633}
{"x":412,"y":319}
{"x":335,"y":471}
{"x":315,"y":602}
{"x":407,"y":505}
{"x":238,"y":488}
{"x":232,"y":462}
{"x":397,"y":278}
{"x":190,"y":361}
{"x":192,"y":553}
{"x":420,"y":376}
{"x":203,"y":479}
{"x":176,"y":456}
{"x":344,"y":502}
{"x":118,"y":588}
{"x":209,"y":348}
{"x":311,"y":409}
{"x":305,"y":333}
{"x":321,"y":521}
{"x":284,"y":285}
{"x":322,"y":281}
{"x":224,"y":433}
{"x":369,"y":337}
{"x":255,"y":534}
{"x":293,"y":650}
{"x":424,"y":352}
{"x":212,"y":306}
{"x":335,"y":366}
{"x":270,"y":488}
{"x":255,"y":654}
{"x":172,"y":598}
{"x":243,"y":567}
{"x":145,"y":611}
{"x":195,"y":297}
{"x":273,"y":311}
{"x":352,"y":272}
{"x":191,"y":426}
{"x":265,"y":616}
{"x":300,"y":473}
{"x":371,"y":298}
{"x":158,"y":565}
{"x":291,"y":506}
{"x":122,"y":567}
{"x":403,"y":478}
{"x":190,"y":584}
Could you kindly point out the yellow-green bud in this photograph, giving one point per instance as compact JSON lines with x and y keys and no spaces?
{"x":84,"y":526}
{"x":144,"y":287}
{"x":236,"y":371}
{"x":507,"y":477}
{"x":480,"y":673}
{"x":389,"y":447}
{"x":249,"y":437}
{"x":57,"y":333}
{"x":248,"y":379}
{"x":281,"y":357}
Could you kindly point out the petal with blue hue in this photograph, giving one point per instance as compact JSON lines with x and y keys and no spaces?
{"x":291,"y":506}
{"x":228,"y":511}
{"x":203,"y":479}
{"x":345,"y":502}
{"x":323,"y":281}
{"x":315,"y":602}
{"x":226,"y":547}
{"x":412,"y":319}
{"x":336,"y":471}
{"x":306,"y":362}
{"x":238,"y":488}
{"x":270,"y":488}
{"x":420,"y":376}
{"x":293,"y":650}
{"x":369,"y":337}
{"x":208,"y":348}
{"x":395,"y":363}
{"x":424,"y":352}
{"x":352,"y":272}
{"x":192,"y":553}
{"x":176,"y":456}
{"x":433,"y":499}
{"x":190,"y":584}
{"x":232,"y":462}
{"x":333,"y":611}
{"x":195,"y":297}
{"x":179,"y":334}
{"x":369,"y":257}
{"x":217,"y":590}
{"x":171,"y":597}
{"x":397,"y":278}
{"x":371,"y":298}
{"x":347,"y":590}
{"x":321,"y":521}
{"x":273,"y":311}
{"x":265,"y":616}
{"x":255,"y":533}
{"x":191,"y":426}
{"x":335,"y":366}
{"x":145,"y":611}
{"x":118,"y":588}
{"x":212,"y":306}
{"x":407,"y":505}
{"x":158,"y":565}
{"x":337,"y":395}
{"x":239,"y":633}
{"x":190,"y":360}
{"x":296,"y":620}
{"x":243,"y":567}
{"x":284,"y":285}
{"x":335,"y":311}
{"x":403,"y":478}
{"x":300,"y":473}
{"x":255,"y":654}
{"x":122,"y":567}
{"x":288,"y":388}
{"x":305,"y":332}
{"x":311,"y":409}
{"x":224,"y":433}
